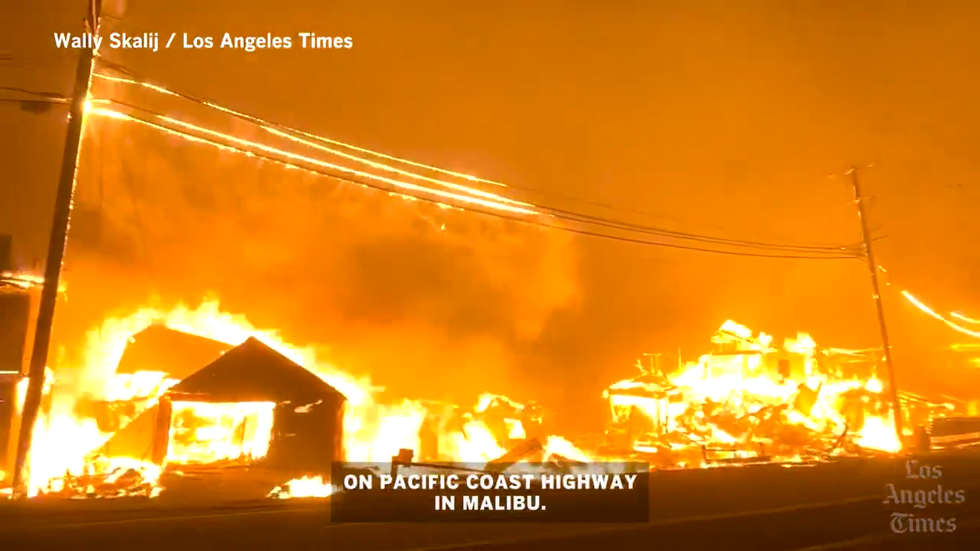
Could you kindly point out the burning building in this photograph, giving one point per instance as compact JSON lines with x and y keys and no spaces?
{"x":296,"y":418}
{"x":260,"y":406}
{"x":749,"y":400}
{"x":251,"y":406}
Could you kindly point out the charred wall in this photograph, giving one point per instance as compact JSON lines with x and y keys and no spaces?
{"x":308,"y":439}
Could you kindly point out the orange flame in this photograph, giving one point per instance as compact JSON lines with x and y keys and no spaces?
{"x":204,"y":432}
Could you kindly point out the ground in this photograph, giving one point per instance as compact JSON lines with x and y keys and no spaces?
{"x":838,"y":506}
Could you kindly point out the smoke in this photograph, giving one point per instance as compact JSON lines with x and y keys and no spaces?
{"x":430,"y":302}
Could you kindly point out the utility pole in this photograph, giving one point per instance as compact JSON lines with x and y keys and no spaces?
{"x":56,"y":254}
{"x":873,"y":269}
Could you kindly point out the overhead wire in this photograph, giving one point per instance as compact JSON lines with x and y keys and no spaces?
{"x":301,"y":158}
{"x":507,"y":214}
{"x":33,"y":101}
{"x":332,"y":166}
{"x":257,"y":120}
{"x":35,"y":93}
{"x":962,"y":317}
{"x":290,"y":134}
{"x":294,"y":134}
{"x":598,"y":220}
{"x":922,"y":307}
{"x":929,"y":311}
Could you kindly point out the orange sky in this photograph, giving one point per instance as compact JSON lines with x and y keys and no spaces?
{"x":717,"y":117}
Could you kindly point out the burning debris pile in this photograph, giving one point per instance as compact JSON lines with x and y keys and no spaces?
{"x":749,"y":401}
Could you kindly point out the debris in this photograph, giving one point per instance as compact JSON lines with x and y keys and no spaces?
{"x":521,"y":451}
{"x":750,"y":401}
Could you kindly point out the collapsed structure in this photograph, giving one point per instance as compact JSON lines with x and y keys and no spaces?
{"x":749,"y":401}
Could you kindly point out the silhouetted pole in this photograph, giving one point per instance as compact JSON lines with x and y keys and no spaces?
{"x":873,"y":268}
{"x":56,"y":254}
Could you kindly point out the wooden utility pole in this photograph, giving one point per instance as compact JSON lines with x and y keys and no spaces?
{"x":882,"y":326}
{"x":56,"y":254}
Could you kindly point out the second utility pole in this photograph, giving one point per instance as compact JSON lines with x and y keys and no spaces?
{"x":873,"y":268}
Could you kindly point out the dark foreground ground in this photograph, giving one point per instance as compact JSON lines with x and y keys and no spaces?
{"x":834,"y":506}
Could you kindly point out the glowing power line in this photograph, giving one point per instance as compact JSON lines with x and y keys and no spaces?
{"x":961,"y":317}
{"x":382,"y":166}
{"x":497,"y":208}
{"x":321,"y":139}
{"x":323,"y":164}
{"x":929,"y":311}
{"x":292,"y":134}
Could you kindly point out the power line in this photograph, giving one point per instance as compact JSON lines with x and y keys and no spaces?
{"x":559,"y":213}
{"x":28,"y":101}
{"x":459,"y":197}
{"x":563,"y":213}
{"x":604,"y":221}
{"x":538,"y":223}
{"x":45,"y":95}
{"x":268,"y":125}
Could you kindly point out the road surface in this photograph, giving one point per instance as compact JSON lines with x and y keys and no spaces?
{"x":762,"y":508}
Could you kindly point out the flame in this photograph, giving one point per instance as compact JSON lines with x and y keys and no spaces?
{"x":308,"y":486}
{"x":26,"y":280}
{"x":717,"y":401}
{"x":558,"y":446}
{"x":65,"y":441}
{"x":720,"y":399}
{"x":123,"y":387}
{"x":204,"y":432}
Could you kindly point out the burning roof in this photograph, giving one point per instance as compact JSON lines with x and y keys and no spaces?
{"x":253,"y":372}
{"x":251,"y":405}
{"x":176,"y":354}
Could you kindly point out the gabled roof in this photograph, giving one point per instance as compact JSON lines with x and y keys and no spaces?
{"x":254,"y":372}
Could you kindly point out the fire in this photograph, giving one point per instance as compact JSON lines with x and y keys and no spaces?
{"x":65,"y":441}
{"x":22,"y":280}
{"x":749,"y":398}
{"x":735,"y":400}
{"x":142,"y":384}
{"x":312,"y":486}
{"x":25,"y":280}
{"x":209,"y":433}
